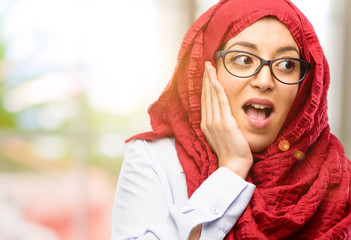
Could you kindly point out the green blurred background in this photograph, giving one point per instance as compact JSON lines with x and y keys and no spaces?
{"x":76,"y":79}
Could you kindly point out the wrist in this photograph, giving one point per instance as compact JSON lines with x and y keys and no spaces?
{"x":240,"y":168}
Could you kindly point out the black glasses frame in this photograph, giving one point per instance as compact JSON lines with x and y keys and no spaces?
{"x":306,"y":64}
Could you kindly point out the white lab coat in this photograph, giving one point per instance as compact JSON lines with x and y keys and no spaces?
{"x":151,"y":199}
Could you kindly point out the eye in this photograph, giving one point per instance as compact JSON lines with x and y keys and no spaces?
{"x":287,"y":65}
{"x":241,"y":60}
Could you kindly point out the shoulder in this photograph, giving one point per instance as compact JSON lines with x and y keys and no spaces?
{"x":140,"y":143}
{"x":161,"y":148}
{"x":160,"y":157}
{"x":160,"y":153}
{"x":152,"y":147}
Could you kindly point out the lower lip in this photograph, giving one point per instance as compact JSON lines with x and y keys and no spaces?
{"x":260,"y":124}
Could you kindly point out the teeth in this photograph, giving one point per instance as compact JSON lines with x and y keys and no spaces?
{"x":255,"y":105}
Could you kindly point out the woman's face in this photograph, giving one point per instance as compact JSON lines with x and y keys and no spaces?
{"x":270,"y":39}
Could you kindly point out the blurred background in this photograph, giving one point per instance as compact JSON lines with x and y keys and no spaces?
{"x":70,"y":95}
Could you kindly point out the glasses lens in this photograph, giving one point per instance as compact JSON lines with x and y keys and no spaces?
{"x":241,"y":64}
{"x":289,"y":70}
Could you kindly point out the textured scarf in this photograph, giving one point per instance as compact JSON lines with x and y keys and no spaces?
{"x":302,"y":192}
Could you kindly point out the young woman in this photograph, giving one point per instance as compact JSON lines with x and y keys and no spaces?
{"x":241,"y":147}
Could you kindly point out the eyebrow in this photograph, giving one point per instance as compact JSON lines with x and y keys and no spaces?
{"x":244,"y":44}
{"x":254,"y":47}
{"x":287,"y":49}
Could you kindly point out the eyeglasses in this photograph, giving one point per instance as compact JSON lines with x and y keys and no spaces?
{"x":244,"y":64}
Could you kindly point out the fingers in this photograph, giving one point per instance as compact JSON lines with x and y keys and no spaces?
{"x":212,"y":78}
{"x":219,"y":100}
{"x":209,"y":98}
{"x":208,"y":104}
{"x":222,"y":99}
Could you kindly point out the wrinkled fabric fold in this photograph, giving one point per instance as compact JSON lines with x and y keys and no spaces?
{"x":294,"y":199}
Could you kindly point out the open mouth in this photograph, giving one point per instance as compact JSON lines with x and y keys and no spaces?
{"x":257,"y":111}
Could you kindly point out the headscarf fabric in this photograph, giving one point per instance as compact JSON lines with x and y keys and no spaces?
{"x":301,"y":193}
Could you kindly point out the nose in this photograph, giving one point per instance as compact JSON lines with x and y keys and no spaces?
{"x":263,"y":80}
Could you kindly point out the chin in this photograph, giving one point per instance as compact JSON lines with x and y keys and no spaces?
{"x":256,"y":148}
{"x":258,"y":143}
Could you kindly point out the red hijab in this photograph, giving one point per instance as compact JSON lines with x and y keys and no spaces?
{"x":295,"y":198}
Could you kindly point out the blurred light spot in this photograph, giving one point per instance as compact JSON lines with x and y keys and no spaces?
{"x":52,"y":116}
{"x":12,"y":218}
{"x":120,"y":60}
{"x":123,"y":65}
{"x":49,"y":147}
{"x":24,"y":46}
{"x":27,"y":119}
{"x":111,"y":145}
{"x":43,"y":89}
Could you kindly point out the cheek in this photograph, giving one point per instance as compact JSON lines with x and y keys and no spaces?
{"x":287,"y":96}
{"x":232,"y":86}
{"x":233,"y":90}
{"x":292,"y":93}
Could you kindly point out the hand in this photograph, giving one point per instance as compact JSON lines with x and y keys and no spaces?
{"x":220,"y":127}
